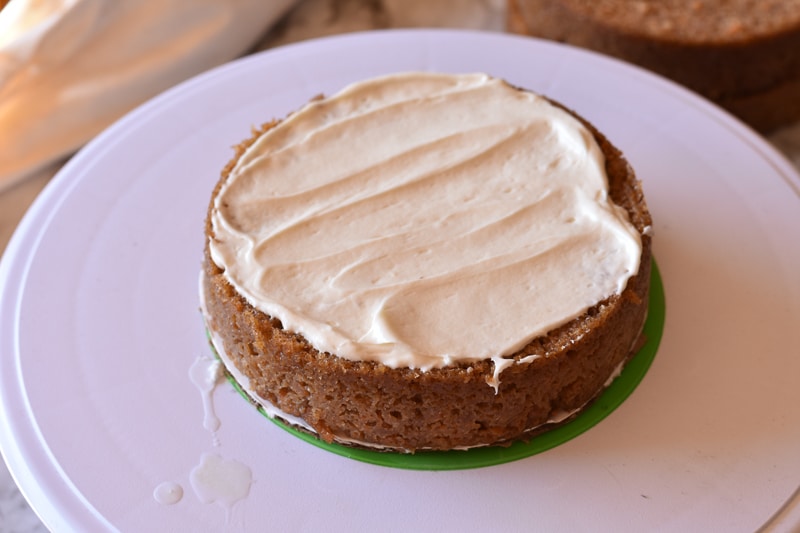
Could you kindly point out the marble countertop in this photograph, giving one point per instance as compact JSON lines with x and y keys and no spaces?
{"x":308,"y":19}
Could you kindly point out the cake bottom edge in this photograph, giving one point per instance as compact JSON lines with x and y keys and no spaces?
{"x":296,"y":423}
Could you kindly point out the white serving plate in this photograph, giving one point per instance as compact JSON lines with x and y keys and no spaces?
{"x":99,"y":322}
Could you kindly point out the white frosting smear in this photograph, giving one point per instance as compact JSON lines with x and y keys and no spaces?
{"x":422,"y":220}
{"x":206,"y":372}
{"x":222,"y":481}
{"x":214,"y":480}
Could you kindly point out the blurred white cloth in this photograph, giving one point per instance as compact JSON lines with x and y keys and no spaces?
{"x":69,"y":68}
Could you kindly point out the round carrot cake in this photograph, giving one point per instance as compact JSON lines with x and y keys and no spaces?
{"x":426,"y":261}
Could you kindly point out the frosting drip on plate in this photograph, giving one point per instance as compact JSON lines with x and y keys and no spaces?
{"x":422,"y":220}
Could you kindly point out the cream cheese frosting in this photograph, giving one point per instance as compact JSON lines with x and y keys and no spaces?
{"x":423,"y":220}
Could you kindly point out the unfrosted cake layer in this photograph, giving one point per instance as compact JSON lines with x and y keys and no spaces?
{"x":741,"y":54}
{"x":427,"y":261}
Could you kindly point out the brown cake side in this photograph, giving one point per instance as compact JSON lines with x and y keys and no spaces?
{"x":442,"y":408}
{"x":741,"y":55}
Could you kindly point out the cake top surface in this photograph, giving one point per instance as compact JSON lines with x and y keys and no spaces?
{"x":695,"y":21}
{"x":422,"y":220}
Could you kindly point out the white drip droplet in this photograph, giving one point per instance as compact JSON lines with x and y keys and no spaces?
{"x":168,"y":493}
